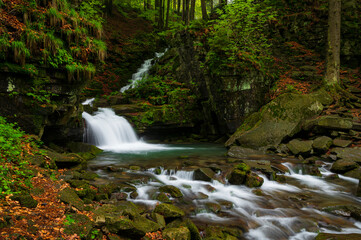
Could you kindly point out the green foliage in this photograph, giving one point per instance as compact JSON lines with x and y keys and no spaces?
{"x":60,"y":59}
{"x":69,"y":220}
{"x":14,"y":174}
{"x":40,"y":95}
{"x":92,"y":10}
{"x":20,"y":51}
{"x":239,"y":36}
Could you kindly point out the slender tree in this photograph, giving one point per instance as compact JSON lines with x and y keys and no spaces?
{"x":167,"y":15}
{"x":332,"y":77}
{"x":192,"y":10}
{"x":204,"y":10}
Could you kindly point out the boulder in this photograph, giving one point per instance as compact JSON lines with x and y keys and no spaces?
{"x":204,"y":174}
{"x":78,"y":224}
{"x":186,"y":223}
{"x":181,"y":233}
{"x":66,"y":160}
{"x":358,"y":191}
{"x":342,"y":166}
{"x":214,"y":207}
{"x":352,"y":154}
{"x":69,"y":196}
{"x":172,"y":190}
{"x":143,"y":225}
{"x":261,"y":165}
{"x":341,"y":143}
{"x":345,"y":211}
{"x":168,"y":210}
{"x":322,"y":144}
{"x":25,"y":200}
{"x":330,"y":122}
{"x":221,"y":233}
{"x":300,"y":147}
{"x":237,"y":177}
{"x":158,"y":219}
{"x":85,"y":150}
{"x":279,"y":119}
{"x":253,"y":180}
{"x":354,"y":173}
{"x":163,"y":197}
{"x":340,"y":236}
{"x":242,"y":152}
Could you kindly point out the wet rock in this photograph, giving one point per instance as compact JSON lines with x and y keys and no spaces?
{"x":214,"y":207}
{"x":118,"y":224}
{"x":158,"y":219}
{"x":119,"y":196}
{"x":300,"y":147}
{"x":209,"y":188}
{"x":358,"y":191}
{"x":163,"y":197}
{"x":143,"y":225}
{"x":186,"y":223}
{"x":352,"y":154}
{"x":69,"y":196}
{"x":157,"y":171}
{"x":201,"y":195}
{"x":78,"y":183}
{"x":134,"y":195}
{"x":181,"y":233}
{"x":168,"y":210}
{"x":87,"y":193}
{"x":25,"y":200}
{"x":172,"y":190}
{"x":204,"y":174}
{"x":281,"y":178}
{"x":335,"y":236}
{"x":261,"y":165}
{"x":125,"y":208}
{"x":242,"y":152}
{"x":332,"y":176}
{"x":135,"y":168}
{"x":354,"y":173}
{"x":226,"y":204}
{"x":342,"y":166}
{"x":238,"y":174}
{"x":341,"y":143}
{"x":322,"y":144}
{"x":221,"y":233}
{"x":253,"y":180}
{"x":314,"y":171}
{"x":345,"y":211}
{"x":78,"y":224}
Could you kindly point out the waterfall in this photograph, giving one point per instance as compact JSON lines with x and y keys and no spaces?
{"x":110,"y":132}
{"x":142,"y":72}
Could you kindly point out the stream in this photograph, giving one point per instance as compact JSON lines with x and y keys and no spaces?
{"x":291,"y":209}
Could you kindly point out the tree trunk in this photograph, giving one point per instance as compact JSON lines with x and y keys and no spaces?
{"x":204,"y":10}
{"x":187,"y":12}
{"x":167,"y":16}
{"x":108,"y":7}
{"x":161,"y":14}
{"x":211,"y":5}
{"x":179,"y":6}
{"x":193,"y":9}
{"x":332,"y":77}
{"x":184,"y":10}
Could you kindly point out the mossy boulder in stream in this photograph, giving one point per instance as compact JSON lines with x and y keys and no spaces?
{"x":172,"y":190}
{"x":322,"y":144}
{"x":241,"y":174}
{"x":169,"y":211}
{"x":335,"y":236}
{"x":253,"y":180}
{"x":279,"y":119}
{"x":181,"y":233}
{"x":204,"y":174}
{"x":342,"y":166}
{"x":300,"y":147}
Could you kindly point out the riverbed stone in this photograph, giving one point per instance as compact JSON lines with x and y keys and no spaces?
{"x":358,"y":191}
{"x":204,"y":174}
{"x":186,"y":223}
{"x":163,"y":197}
{"x":322,"y":144}
{"x":340,"y":236}
{"x":354,"y":173}
{"x":345,"y":211}
{"x":214,"y":207}
{"x":352,"y":154}
{"x":300,"y":147}
{"x":158,"y":219}
{"x":341,"y":142}
{"x":221,"y":233}
{"x":279,"y":119}
{"x":242,"y":152}
{"x":342,"y":166}
{"x":181,"y":233}
{"x":261,"y":165}
{"x":168,"y":210}
{"x":237,"y":177}
{"x":69,"y":196}
{"x":172,"y":190}
{"x":253,"y":180}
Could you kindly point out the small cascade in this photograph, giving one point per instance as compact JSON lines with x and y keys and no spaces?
{"x":110,"y":132}
{"x":89,"y":102}
{"x":142,"y":72}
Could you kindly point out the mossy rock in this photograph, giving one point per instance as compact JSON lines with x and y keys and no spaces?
{"x":335,"y":236}
{"x":158,"y":219}
{"x":345,"y":211}
{"x":322,"y":144}
{"x":204,"y":174}
{"x":25,"y":200}
{"x":243,"y":167}
{"x":279,"y":119}
{"x":237,"y":177}
{"x":78,"y":224}
{"x":343,"y":166}
{"x":78,"y":183}
{"x":66,"y":160}
{"x":69,"y":196}
{"x":143,"y":225}
{"x":172,"y":190}
{"x":221,"y":233}
{"x":168,"y":210}
{"x":300,"y":147}
{"x":181,"y":233}
{"x":253,"y":180}
{"x":214,"y":207}
{"x":163,"y":197}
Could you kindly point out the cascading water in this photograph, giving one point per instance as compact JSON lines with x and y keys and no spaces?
{"x":142,"y":72}
{"x":110,"y":132}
